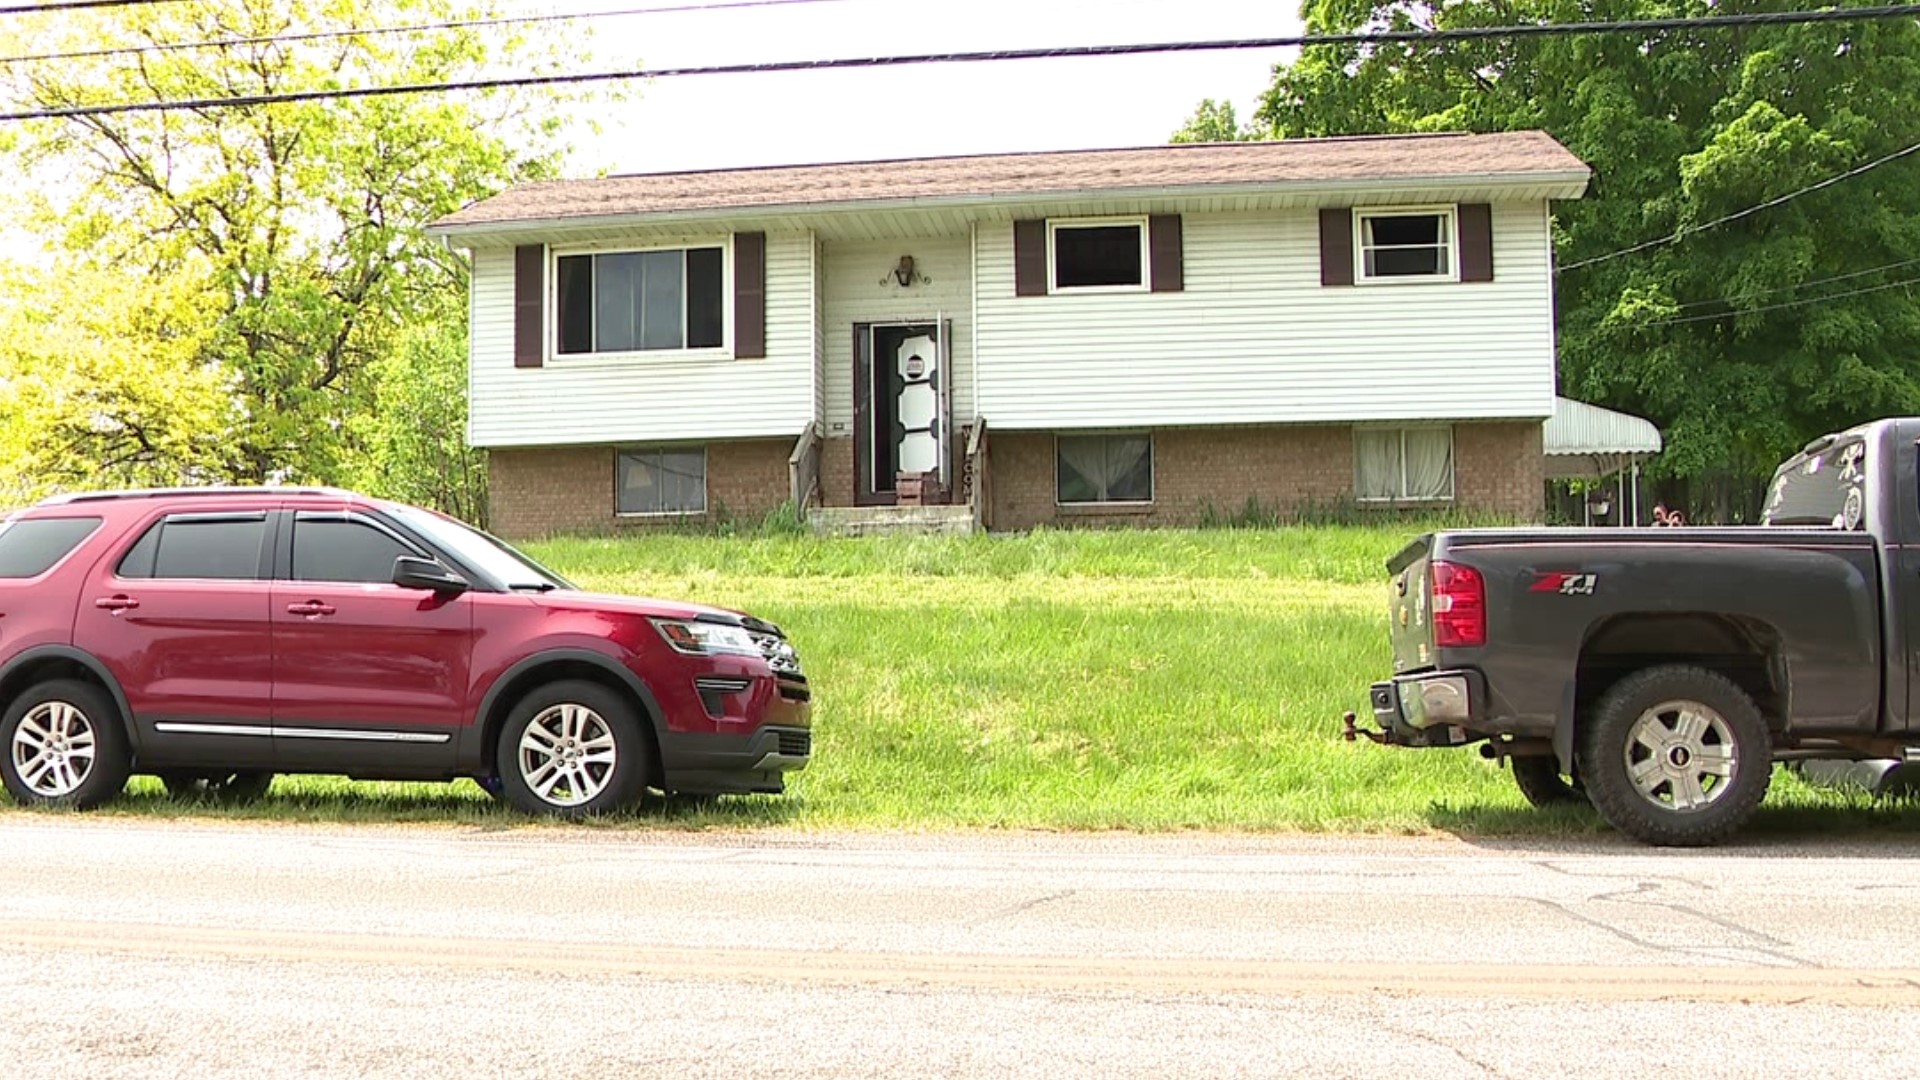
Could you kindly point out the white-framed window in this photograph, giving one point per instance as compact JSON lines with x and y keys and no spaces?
{"x":653,"y":300}
{"x":1091,"y":469}
{"x":1413,"y":464}
{"x":1407,"y":244}
{"x":661,"y":480}
{"x":1097,"y":254}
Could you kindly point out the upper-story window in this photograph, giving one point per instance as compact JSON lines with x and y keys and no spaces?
{"x":1103,"y":253}
{"x":1413,"y":243}
{"x":641,"y":301}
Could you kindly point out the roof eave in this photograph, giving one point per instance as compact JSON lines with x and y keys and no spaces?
{"x":1561,"y":184}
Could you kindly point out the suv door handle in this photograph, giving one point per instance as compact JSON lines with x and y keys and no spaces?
{"x":310,"y":608}
{"x":116,"y":604}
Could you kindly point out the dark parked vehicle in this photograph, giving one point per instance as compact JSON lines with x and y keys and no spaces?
{"x":215,"y":637}
{"x":1661,"y":672}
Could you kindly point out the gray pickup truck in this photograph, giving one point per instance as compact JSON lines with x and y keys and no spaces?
{"x":1661,"y":672}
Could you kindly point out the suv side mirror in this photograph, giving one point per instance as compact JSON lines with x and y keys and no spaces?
{"x":414,"y":573}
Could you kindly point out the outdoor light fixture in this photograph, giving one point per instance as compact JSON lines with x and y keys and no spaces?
{"x":903,"y":273}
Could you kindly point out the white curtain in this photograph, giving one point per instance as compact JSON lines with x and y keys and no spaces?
{"x":1105,"y":469}
{"x":1429,"y":454}
{"x":1377,"y":457}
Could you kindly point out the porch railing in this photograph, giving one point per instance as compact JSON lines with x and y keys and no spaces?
{"x":803,"y":469}
{"x":976,"y":480}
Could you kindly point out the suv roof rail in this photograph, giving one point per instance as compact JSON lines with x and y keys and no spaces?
{"x":195,"y":492}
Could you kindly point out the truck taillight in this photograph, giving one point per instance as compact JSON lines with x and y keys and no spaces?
{"x":1459,"y":606}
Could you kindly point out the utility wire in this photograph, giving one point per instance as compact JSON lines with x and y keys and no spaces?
{"x":1681,"y":234}
{"x":844,"y":63}
{"x":373,"y":31}
{"x":69,"y":5}
{"x":1802,"y":284}
{"x":1782,"y":306}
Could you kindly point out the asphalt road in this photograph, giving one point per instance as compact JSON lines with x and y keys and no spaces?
{"x":135,"y":949}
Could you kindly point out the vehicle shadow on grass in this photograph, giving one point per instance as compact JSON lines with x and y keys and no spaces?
{"x":325,"y":801}
{"x":1836,"y":824}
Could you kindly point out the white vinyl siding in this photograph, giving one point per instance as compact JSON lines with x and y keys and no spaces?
{"x":1255,"y":338}
{"x":637,"y":397}
{"x":854,"y":273}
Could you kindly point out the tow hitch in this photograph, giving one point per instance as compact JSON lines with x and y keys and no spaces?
{"x":1352,"y":731}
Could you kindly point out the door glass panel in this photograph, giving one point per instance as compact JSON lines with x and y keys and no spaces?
{"x":218,"y":550}
{"x":350,"y":551}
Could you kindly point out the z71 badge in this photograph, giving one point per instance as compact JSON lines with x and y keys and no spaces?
{"x":1566,"y":584}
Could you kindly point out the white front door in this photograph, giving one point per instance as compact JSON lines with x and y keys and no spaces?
{"x":917,"y":430}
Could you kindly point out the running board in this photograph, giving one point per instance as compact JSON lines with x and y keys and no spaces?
{"x":1911,"y":753}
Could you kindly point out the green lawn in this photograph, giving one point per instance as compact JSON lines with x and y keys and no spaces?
{"x":1063,"y":680}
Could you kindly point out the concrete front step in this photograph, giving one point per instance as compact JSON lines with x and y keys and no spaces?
{"x":872,"y":520}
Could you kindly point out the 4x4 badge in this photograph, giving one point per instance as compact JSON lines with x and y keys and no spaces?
{"x":1566,"y":584}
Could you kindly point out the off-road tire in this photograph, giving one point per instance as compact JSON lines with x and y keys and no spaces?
{"x":1642,"y":700}
{"x":104,"y":777}
{"x":1538,"y":777}
{"x":607,"y":719}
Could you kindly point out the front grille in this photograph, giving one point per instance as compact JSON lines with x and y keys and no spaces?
{"x":796,"y":743}
{"x":778,"y":652}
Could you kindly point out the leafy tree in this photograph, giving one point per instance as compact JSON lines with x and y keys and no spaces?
{"x":1213,"y":121}
{"x":103,"y":381}
{"x":303,"y":219}
{"x":1743,"y":339}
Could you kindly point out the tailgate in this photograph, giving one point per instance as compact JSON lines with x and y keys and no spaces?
{"x":1408,"y":598}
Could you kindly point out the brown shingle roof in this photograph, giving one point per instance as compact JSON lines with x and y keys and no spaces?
{"x":1510,"y":155}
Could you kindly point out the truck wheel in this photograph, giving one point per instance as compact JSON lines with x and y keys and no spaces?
{"x":1541,"y":783}
{"x":573,"y":749}
{"x":63,"y":746}
{"x":1676,"y":756}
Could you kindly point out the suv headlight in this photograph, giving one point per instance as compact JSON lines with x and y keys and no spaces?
{"x":706,"y":639}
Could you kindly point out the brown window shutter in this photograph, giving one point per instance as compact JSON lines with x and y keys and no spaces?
{"x":1164,"y":253}
{"x":749,"y":295}
{"x":1030,"y":257}
{"x":529,"y":302}
{"x":1336,"y":246}
{"x":1476,"y":242}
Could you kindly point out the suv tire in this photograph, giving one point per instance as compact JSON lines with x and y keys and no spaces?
{"x":1677,"y":756}
{"x":62,"y":743}
{"x":573,"y":749}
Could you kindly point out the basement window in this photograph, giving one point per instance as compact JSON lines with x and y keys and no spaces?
{"x":1103,"y":469}
{"x":1105,"y":253}
{"x":661,"y":481}
{"x":1401,"y":244}
{"x":1403,"y":464}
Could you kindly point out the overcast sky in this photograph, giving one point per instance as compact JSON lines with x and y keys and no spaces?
{"x":742,"y":120}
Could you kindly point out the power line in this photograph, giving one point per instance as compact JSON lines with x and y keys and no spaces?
{"x":845,"y":63}
{"x":69,"y":5}
{"x":1783,"y":306}
{"x":1769,"y":204}
{"x":1803,"y":284}
{"x":372,"y":31}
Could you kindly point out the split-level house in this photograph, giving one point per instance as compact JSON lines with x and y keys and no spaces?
{"x":1118,"y":336}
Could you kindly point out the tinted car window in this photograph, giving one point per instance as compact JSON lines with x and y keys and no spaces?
{"x":224,"y":549}
{"x":343,"y":550}
{"x":30,"y":548}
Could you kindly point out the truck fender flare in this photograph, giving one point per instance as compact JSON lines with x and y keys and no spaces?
{"x":93,"y":665}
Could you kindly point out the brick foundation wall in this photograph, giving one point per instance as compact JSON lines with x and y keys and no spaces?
{"x":543,"y":492}
{"x":1497,"y":467}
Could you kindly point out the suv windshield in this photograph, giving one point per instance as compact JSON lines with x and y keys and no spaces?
{"x":488,"y":554}
{"x":1825,"y":487}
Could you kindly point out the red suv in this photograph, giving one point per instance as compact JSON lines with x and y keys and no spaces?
{"x":214,"y":637}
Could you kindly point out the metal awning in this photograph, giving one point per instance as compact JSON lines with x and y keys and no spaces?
{"x":1583,"y":440}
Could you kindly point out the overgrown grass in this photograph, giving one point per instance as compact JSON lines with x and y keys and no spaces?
{"x":1061,"y":680}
